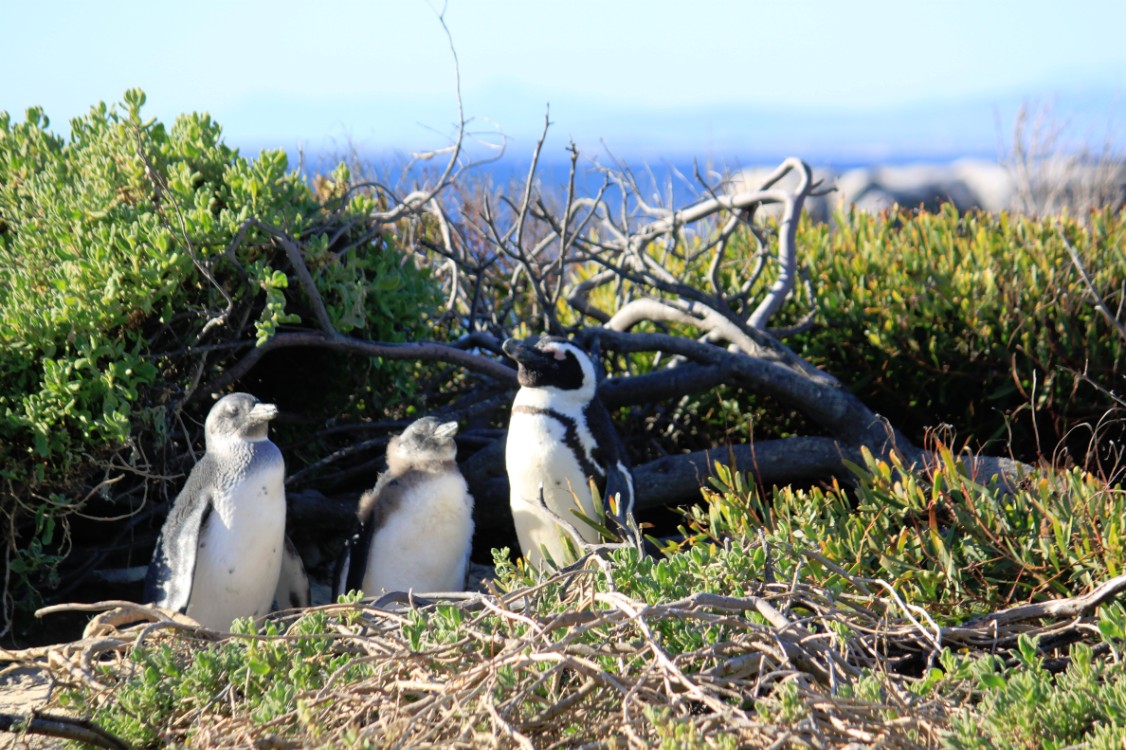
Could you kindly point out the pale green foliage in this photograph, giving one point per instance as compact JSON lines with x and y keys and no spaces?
{"x":969,"y":319}
{"x":1025,"y":705}
{"x":130,"y":242}
{"x":951,"y":542}
{"x":270,"y":673}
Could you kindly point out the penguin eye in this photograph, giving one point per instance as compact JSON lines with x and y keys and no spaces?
{"x":556,"y":352}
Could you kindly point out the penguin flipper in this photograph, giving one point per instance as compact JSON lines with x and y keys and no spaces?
{"x":619,"y":482}
{"x":170,"y":576}
{"x":354,"y":562}
{"x":611,"y":455}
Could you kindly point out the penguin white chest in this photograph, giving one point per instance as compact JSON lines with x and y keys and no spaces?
{"x":424,"y":544}
{"x":542,"y":450}
{"x":240,"y":549}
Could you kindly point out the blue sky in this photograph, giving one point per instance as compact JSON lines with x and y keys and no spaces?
{"x":705,"y":78}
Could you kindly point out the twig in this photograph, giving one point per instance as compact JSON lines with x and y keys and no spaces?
{"x":1059,"y":608}
{"x":419,"y":351}
{"x":1100,"y":303}
{"x":64,"y":727}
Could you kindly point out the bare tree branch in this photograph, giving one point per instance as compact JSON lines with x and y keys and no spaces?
{"x":421,"y":351}
{"x":1074,"y":606}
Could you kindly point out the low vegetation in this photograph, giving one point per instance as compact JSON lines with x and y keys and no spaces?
{"x":793,"y":621}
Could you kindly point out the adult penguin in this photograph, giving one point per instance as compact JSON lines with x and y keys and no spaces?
{"x":559,"y":438}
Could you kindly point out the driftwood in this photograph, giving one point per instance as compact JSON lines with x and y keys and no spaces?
{"x":538,"y":251}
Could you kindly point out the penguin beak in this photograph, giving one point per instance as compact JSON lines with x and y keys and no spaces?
{"x":448,"y":429}
{"x":262,"y":413}
{"x":523,"y":352}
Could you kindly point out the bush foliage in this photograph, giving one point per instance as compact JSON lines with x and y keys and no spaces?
{"x":126,"y":246}
{"x":975,"y":321}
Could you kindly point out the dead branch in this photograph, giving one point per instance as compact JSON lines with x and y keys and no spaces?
{"x":63,"y":727}
{"x":422,"y":351}
{"x":1074,"y":606}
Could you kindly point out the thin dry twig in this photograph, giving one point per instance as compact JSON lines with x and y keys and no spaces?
{"x":535,"y":670}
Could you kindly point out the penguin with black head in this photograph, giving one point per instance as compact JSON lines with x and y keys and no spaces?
{"x":559,"y":438}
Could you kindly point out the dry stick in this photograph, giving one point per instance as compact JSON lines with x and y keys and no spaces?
{"x":424,"y":351}
{"x":419,"y":198}
{"x":703,"y":317}
{"x":1073,"y":606}
{"x":1100,"y":303}
{"x":517,"y":232}
{"x":635,"y":614}
{"x":64,"y":727}
{"x":303,"y":275}
{"x":564,"y":240}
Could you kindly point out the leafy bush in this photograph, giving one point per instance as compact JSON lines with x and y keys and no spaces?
{"x":949,"y":542}
{"x":269,"y":673}
{"x":130,"y":247}
{"x":975,"y":326}
{"x":977,"y":321}
{"x":1025,"y":705}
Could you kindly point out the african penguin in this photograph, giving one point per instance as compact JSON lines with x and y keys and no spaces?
{"x":559,"y":436}
{"x":220,"y":552}
{"x":416,"y":525}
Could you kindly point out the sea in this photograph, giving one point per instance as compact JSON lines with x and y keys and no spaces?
{"x":658,"y":181}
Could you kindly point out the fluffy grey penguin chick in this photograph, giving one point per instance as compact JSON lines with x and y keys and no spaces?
{"x":220,"y":552}
{"x":559,"y":437}
{"x":416,"y":525}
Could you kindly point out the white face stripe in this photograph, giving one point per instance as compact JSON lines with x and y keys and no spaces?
{"x":558,"y":349}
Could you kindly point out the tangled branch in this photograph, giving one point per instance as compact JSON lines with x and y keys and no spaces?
{"x":525,"y":666}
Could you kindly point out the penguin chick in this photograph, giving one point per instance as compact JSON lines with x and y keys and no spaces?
{"x":219,"y":553}
{"x":416,"y":525}
{"x":559,"y":437}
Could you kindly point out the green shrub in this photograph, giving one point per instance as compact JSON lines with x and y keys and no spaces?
{"x":1025,"y":705}
{"x":167,"y":683}
{"x":130,"y":244}
{"x":952,"y":543}
{"x":970,"y":320}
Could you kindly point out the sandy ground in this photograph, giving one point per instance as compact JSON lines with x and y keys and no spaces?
{"x":21,"y":692}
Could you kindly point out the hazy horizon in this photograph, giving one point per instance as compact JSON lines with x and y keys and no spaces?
{"x":726,"y":80}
